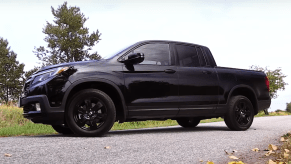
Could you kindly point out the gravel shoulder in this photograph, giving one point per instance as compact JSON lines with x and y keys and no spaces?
{"x":152,"y":145}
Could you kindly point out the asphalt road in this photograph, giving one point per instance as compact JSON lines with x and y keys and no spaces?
{"x":155,"y":145}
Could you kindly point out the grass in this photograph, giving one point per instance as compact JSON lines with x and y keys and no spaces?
{"x":10,"y":116}
{"x":29,"y":129}
{"x":281,"y":113}
{"x":12,"y":123}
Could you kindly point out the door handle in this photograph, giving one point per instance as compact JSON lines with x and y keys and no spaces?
{"x":169,"y":71}
{"x":206,"y":72}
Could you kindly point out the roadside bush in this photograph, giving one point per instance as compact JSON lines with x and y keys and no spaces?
{"x":11,"y":116}
{"x":279,"y":110}
{"x":288,"y":107}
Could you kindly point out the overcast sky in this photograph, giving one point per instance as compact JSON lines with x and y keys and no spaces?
{"x":239,"y":33}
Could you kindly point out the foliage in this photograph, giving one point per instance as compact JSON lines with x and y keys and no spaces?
{"x":276,"y":79}
{"x":10,"y":116}
{"x":68,"y":40}
{"x":288,"y":107}
{"x":29,"y":129}
{"x":262,"y":114}
{"x":11,"y":72}
{"x":279,"y":110}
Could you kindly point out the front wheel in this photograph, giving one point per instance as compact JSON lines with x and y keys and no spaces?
{"x":240,"y":114}
{"x":90,"y":113}
{"x":188,"y":122}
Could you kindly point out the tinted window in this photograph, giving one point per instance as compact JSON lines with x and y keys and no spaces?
{"x":188,"y":56}
{"x":155,"y":54}
{"x":209,"y":56}
{"x":202,"y":59}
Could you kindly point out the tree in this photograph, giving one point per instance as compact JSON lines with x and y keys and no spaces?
{"x":288,"y":107}
{"x":68,"y":40}
{"x":276,"y":80}
{"x":11,"y":72}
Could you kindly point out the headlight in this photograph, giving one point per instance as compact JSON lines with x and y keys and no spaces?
{"x":48,"y":74}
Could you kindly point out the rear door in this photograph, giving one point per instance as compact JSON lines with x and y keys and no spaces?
{"x":198,"y":82}
{"x":151,"y":87}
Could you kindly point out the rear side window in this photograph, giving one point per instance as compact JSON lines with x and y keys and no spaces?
{"x":209,"y":57}
{"x":155,"y":54}
{"x":202,"y":58}
{"x":190,"y":56}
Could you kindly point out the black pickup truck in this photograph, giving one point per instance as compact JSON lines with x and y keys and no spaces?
{"x":149,"y":80}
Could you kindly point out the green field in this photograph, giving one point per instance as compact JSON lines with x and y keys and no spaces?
{"x":12,"y":123}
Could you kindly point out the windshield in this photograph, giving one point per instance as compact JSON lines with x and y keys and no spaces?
{"x":116,"y":53}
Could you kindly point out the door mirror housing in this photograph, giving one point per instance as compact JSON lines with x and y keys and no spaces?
{"x":134,"y":58}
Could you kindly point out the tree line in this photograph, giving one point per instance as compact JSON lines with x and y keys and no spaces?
{"x":68,"y":40}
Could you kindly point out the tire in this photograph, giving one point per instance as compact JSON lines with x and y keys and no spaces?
{"x":62,"y":129}
{"x":240,"y":115}
{"x":90,"y":113}
{"x":188,"y":122}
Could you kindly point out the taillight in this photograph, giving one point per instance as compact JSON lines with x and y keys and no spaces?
{"x":267,"y":83}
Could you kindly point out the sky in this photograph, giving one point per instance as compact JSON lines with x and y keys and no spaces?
{"x":239,"y":33}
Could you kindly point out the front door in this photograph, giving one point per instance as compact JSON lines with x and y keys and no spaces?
{"x":151,"y":87}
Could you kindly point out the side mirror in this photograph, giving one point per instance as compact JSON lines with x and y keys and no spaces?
{"x":134,"y":58}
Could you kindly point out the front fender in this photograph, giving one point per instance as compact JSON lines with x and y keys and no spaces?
{"x":99,"y":80}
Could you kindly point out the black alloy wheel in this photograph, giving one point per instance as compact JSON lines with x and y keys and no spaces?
{"x":240,"y":114}
{"x":188,"y":122}
{"x":91,"y":113}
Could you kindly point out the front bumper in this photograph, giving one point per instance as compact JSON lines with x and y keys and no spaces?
{"x":47,"y":115}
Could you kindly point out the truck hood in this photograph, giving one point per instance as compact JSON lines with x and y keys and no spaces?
{"x":71,"y":64}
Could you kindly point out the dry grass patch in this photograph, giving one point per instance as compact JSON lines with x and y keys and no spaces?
{"x":11,"y":116}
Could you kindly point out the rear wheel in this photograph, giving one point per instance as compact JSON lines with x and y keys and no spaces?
{"x":63,"y":129}
{"x":240,"y":115}
{"x":188,"y":122}
{"x":91,"y":113}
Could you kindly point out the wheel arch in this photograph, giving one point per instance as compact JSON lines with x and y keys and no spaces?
{"x":108,"y":87}
{"x":246,"y":91}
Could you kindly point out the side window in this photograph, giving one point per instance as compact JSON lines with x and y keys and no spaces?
{"x":155,"y":54}
{"x":208,"y":56}
{"x":188,"y":56}
{"x":202,"y":58}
